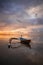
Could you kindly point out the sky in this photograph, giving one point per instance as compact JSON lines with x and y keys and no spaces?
{"x":21,"y":15}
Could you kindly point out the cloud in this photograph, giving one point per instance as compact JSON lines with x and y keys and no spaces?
{"x":19,"y":12}
{"x":17,"y":5}
{"x":26,"y":2}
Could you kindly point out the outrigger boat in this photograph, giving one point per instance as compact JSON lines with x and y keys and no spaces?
{"x":24,"y":41}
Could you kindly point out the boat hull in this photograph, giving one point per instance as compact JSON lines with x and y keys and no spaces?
{"x":26,"y":43}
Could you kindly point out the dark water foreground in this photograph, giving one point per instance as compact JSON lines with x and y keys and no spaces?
{"x":22,"y":55}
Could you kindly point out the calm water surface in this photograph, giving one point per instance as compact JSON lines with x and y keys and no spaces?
{"x":22,"y":55}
